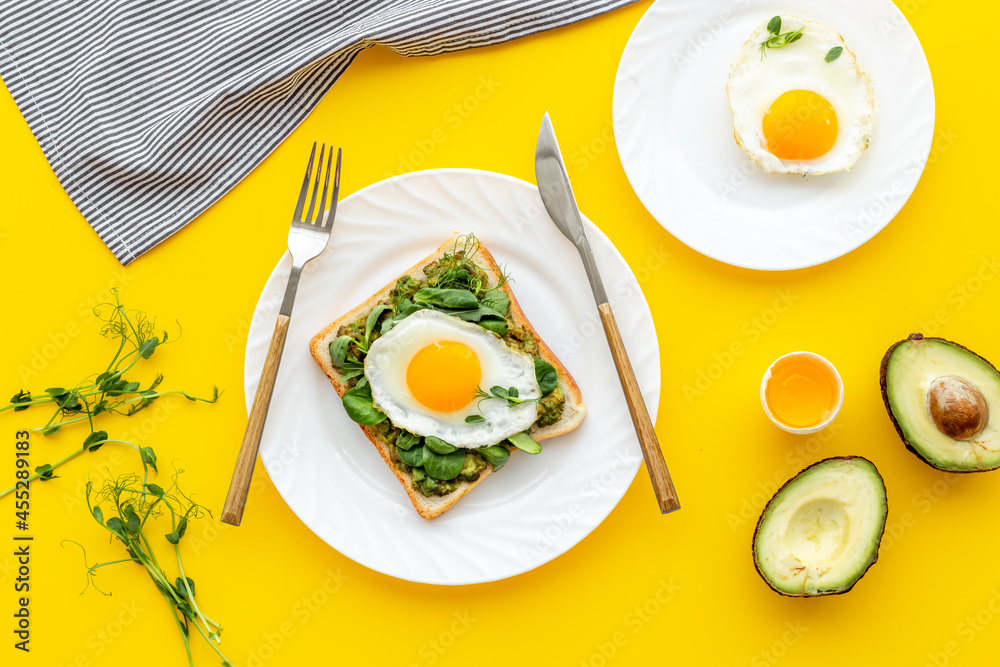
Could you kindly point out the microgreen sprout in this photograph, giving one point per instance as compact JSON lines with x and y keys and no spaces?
{"x":91,"y":443}
{"x":548,"y":380}
{"x":461,"y":270}
{"x":129,"y":507}
{"x":511,"y":395}
{"x":108,"y":392}
{"x":777,"y":39}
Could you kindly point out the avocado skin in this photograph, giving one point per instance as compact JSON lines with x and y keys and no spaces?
{"x":883,"y":371}
{"x":753,"y":540}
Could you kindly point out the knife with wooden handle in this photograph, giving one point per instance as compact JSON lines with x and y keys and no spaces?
{"x":557,"y":195}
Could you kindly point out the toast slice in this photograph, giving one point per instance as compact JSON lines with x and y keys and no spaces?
{"x":573,"y":411}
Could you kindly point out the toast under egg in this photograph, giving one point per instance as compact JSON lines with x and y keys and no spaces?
{"x":573,"y":412}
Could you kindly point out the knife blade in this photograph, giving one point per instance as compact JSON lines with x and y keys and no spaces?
{"x":560,"y":203}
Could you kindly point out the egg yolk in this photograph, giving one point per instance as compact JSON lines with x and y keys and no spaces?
{"x":800,"y":125}
{"x":800,"y":392}
{"x":444,"y":376}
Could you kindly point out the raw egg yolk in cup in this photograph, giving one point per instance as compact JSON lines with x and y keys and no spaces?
{"x":802,"y":391}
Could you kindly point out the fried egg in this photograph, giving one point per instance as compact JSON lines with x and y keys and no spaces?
{"x":797,"y":109}
{"x":426,"y":371}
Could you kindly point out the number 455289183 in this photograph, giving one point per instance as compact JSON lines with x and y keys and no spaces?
{"x":22,"y":473}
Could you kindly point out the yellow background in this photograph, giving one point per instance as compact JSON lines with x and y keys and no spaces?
{"x":641,"y":589}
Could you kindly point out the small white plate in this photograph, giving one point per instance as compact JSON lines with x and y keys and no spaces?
{"x":674,"y":131}
{"x":534,"y":509}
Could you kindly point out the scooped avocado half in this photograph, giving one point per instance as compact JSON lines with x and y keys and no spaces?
{"x":944,"y":400}
{"x":820,"y":532}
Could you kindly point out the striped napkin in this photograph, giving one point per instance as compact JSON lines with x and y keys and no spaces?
{"x":150,"y":110}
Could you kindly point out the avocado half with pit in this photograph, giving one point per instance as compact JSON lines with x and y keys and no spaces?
{"x":944,"y":401}
{"x":821,"y":531}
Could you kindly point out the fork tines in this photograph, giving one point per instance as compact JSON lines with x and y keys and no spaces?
{"x":309,"y":220}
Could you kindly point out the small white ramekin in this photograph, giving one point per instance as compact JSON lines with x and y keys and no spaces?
{"x":810,"y":429}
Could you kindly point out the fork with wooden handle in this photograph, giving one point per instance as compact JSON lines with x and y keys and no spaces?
{"x":307,"y":238}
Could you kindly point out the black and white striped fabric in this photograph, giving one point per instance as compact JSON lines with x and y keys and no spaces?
{"x":150,"y":110}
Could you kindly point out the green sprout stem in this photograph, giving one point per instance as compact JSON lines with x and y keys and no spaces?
{"x":108,"y":391}
{"x":72,"y":456}
{"x":133,"y":504}
{"x":194,"y":605}
{"x":182,"y":626}
{"x":137,"y":399}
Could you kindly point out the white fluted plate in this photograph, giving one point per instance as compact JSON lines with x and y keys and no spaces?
{"x":674,"y":131}
{"x":537,"y":507}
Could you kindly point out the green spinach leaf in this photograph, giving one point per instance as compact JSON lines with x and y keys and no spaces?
{"x":525,"y":443}
{"x":359,"y":406}
{"x":338,"y":350}
{"x":452,"y":299}
{"x":414,"y":456}
{"x":496,"y":455}
{"x":372,"y":319}
{"x":548,"y":378}
{"x":352,"y":369}
{"x":475,"y":314}
{"x":406,"y":440}
{"x":444,"y":467}
{"x":499,"y":327}
{"x":498,"y":300}
{"x":404,"y":310}
{"x":438,"y":446}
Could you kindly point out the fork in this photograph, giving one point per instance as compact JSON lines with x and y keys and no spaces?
{"x":307,"y":238}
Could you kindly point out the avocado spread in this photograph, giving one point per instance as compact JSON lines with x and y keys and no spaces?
{"x":449,"y":269}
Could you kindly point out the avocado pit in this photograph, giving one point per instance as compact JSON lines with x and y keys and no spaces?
{"x":958,"y":408}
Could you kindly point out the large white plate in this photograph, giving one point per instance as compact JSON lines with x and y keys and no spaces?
{"x":674,"y":131}
{"x":534,"y":509}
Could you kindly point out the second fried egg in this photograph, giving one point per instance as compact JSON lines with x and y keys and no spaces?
{"x":802,"y":108}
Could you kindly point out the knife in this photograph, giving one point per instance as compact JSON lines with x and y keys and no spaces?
{"x":557,"y":195}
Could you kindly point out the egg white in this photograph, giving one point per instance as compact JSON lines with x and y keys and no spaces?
{"x":755,"y":83}
{"x":389,"y":358}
